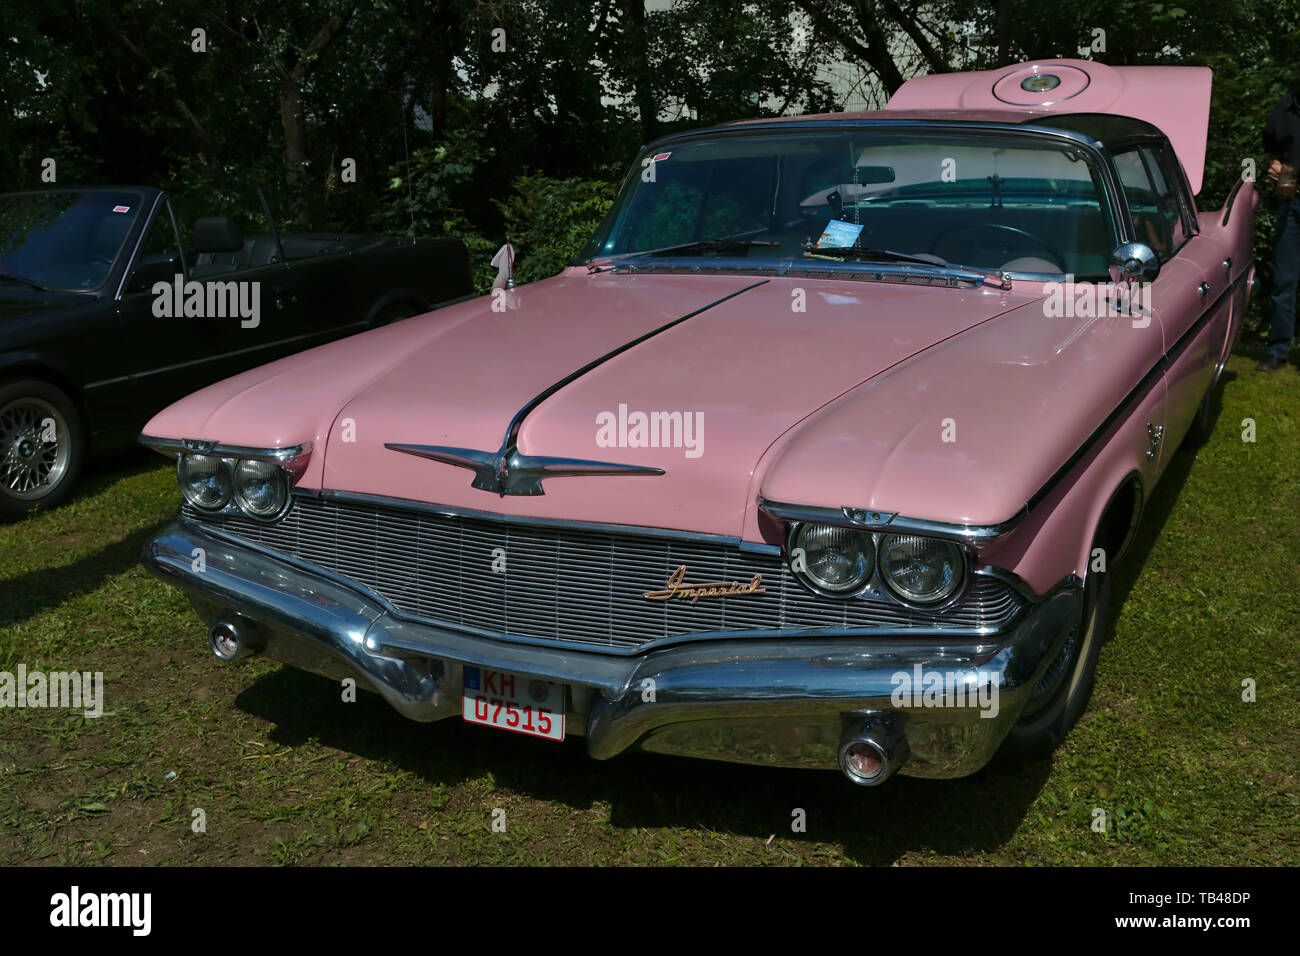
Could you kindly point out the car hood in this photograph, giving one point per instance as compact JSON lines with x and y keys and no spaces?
{"x":20,"y":303}
{"x":750,"y":358}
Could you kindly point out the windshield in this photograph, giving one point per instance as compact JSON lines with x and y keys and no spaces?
{"x":64,"y":240}
{"x":1007,"y":202}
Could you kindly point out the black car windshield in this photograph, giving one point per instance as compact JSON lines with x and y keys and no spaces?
{"x":1002,"y":201}
{"x":64,"y":240}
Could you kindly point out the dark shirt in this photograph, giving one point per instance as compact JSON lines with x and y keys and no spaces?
{"x":1282,"y":131}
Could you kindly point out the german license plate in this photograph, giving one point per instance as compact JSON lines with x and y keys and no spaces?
{"x":514,"y":702}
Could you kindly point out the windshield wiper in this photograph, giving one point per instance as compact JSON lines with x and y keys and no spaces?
{"x":30,"y":283}
{"x":711,"y":245}
{"x":840,"y":253}
{"x":598,"y":263}
{"x":865,"y":254}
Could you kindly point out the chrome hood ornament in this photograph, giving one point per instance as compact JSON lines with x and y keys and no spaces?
{"x":508,"y":472}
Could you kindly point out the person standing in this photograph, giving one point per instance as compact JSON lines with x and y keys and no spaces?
{"x":1282,"y":140}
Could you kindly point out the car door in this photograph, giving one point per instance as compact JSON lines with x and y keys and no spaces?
{"x":333,"y":286}
{"x":1196,"y":339}
{"x":251,"y":313}
{"x":1181,"y":293}
{"x":170,"y":355}
{"x":280,"y":326}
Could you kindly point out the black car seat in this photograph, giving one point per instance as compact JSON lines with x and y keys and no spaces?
{"x":219,"y":246}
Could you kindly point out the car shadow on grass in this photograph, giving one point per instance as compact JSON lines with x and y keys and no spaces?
{"x":872,"y":826}
{"x":33,"y":591}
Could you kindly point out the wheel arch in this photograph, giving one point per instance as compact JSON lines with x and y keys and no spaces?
{"x":396,"y":297}
{"x":18,"y":365}
{"x":1116,"y":522}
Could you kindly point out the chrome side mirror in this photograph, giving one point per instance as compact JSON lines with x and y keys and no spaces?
{"x":1133,"y":262}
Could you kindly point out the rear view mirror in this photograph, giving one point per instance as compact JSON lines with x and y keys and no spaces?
{"x":152,"y":269}
{"x":1133,"y":262}
{"x":875,"y":174}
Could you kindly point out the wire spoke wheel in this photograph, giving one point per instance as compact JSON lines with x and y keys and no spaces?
{"x":35,"y":448}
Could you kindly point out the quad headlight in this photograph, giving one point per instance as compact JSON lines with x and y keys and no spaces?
{"x":920,"y":570}
{"x":205,"y":481}
{"x":832,"y":559}
{"x":260,"y":489}
{"x":845,"y":562}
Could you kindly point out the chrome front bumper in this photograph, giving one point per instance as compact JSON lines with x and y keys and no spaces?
{"x":782,"y":700}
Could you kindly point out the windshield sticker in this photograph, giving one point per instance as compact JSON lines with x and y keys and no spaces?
{"x":657,"y":157}
{"x":121,"y":209}
{"x":839,"y":235}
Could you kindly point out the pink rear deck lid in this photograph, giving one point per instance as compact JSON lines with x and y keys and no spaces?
{"x":1174,"y":99}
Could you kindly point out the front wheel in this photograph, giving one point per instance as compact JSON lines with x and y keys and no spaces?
{"x":1062,"y":693}
{"x":395,"y":313}
{"x":41,"y":446}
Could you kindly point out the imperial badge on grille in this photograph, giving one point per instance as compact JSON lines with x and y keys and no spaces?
{"x":678,"y":588}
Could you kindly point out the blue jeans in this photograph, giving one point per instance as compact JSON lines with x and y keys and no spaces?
{"x":1286,"y":271}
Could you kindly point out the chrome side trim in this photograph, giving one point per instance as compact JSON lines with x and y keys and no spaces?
{"x":887,"y":521}
{"x":174,"y":447}
{"x":292,"y":459}
{"x":278,"y":343}
{"x":1021,"y":586}
{"x":1232,"y":198}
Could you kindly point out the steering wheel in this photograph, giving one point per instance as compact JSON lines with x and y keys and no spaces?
{"x":1019,"y":233}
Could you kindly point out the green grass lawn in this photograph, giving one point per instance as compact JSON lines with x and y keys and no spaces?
{"x":1186,"y":771}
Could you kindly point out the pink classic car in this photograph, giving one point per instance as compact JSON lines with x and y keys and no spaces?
{"x":819,"y":456}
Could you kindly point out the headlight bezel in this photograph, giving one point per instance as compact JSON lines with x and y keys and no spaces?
{"x":877,"y":586}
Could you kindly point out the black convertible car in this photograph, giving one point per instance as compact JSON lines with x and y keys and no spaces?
{"x":107,"y":315}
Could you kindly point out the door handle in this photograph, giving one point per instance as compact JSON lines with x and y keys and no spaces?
{"x":282,"y":292}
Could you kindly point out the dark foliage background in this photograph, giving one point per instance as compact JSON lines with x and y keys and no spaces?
{"x":516,"y":118}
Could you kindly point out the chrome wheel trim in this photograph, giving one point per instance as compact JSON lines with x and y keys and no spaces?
{"x":1075,"y":649}
{"x":30,"y":466}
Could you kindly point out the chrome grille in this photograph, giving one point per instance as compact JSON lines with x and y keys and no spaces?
{"x":571,"y":585}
